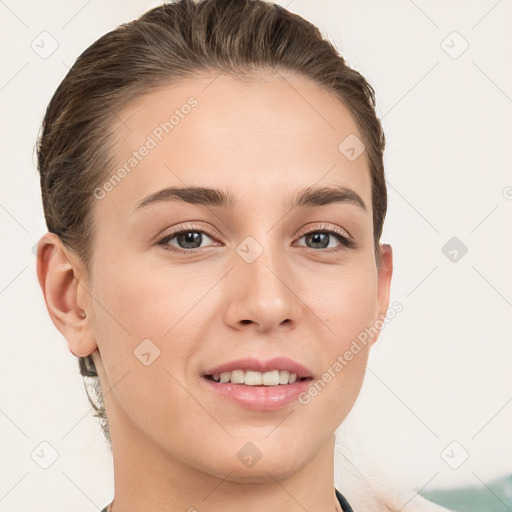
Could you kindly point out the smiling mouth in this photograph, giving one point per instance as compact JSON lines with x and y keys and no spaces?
{"x":253,"y":378}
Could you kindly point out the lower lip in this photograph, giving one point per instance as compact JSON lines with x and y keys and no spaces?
{"x":259,"y":398}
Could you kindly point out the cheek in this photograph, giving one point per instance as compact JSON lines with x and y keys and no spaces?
{"x":145,"y":301}
{"x":134,"y":310}
{"x":346,"y":303}
{"x":144,"y":310}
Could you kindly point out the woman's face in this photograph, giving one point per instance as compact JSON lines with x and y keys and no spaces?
{"x":258,"y":278}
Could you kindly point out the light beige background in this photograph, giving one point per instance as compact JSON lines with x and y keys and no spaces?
{"x":441,"y":369}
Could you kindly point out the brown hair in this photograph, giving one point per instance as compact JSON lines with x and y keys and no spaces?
{"x":168,"y":43}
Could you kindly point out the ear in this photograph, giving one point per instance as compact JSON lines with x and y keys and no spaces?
{"x":65,"y":289}
{"x":384,"y":274}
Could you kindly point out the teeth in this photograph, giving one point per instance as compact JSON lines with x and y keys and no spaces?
{"x":237,"y":377}
{"x":271,"y":378}
{"x":251,"y":378}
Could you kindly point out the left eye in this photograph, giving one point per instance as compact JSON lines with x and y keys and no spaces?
{"x":323,"y":238}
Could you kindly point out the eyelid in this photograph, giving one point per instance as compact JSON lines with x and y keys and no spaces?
{"x":193,"y":227}
{"x":326,"y":227}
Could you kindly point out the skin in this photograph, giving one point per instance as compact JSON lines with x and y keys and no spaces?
{"x":174,"y":443}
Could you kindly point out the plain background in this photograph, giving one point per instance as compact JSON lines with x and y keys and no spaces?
{"x":440,"y":371}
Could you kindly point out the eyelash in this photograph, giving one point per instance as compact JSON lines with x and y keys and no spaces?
{"x":346,"y":242}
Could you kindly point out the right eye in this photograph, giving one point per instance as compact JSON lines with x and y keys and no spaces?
{"x":189,"y":239}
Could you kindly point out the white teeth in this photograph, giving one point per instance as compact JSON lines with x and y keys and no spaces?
{"x":238,"y":377}
{"x":252,"y":378}
{"x":271,"y":378}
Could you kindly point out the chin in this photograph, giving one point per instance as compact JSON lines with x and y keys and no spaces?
{"x":264,"y":474}
{"x":278,"y":465}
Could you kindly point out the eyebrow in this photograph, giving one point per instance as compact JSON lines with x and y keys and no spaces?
{"x":206,"y":196}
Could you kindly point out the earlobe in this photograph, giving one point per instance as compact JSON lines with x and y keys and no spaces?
{"x":59,"y":278}
{"x":384,"y":273}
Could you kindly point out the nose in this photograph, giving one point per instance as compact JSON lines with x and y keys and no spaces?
{"x":263,"y":294}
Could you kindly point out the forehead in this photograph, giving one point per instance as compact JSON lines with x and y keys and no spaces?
{"x":264,"y":136}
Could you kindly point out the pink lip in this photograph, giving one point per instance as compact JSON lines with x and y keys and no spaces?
{"x":260,"y":398}
{"x":257,"y":365}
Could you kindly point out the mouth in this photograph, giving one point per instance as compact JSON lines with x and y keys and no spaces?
{"x":258,"y":385}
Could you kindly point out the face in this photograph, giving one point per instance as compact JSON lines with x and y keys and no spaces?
{"x":184,"y":285}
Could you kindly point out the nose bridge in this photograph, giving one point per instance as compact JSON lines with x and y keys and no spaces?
{"x":263,"y":257}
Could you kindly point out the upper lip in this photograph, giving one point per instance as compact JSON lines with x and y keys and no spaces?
{"x":258,"y":365}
